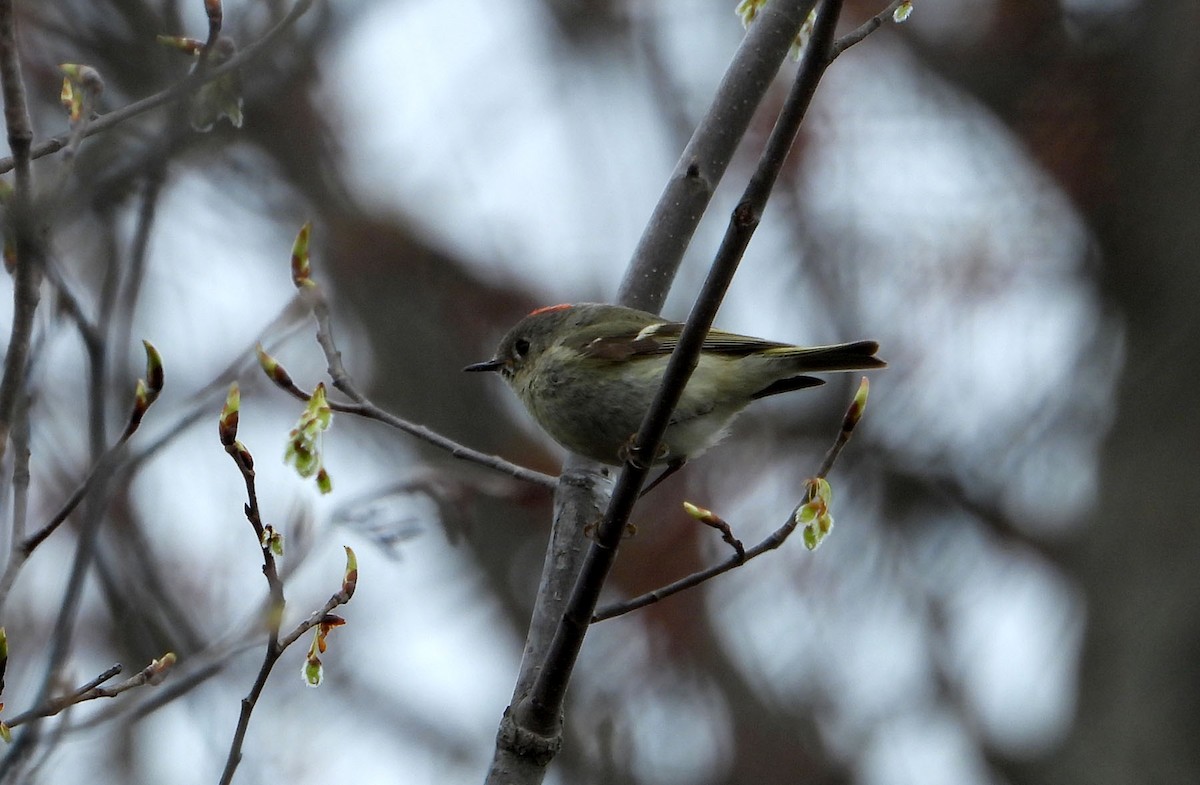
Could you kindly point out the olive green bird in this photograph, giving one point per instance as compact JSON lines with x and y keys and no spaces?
{"x":588,"y":373}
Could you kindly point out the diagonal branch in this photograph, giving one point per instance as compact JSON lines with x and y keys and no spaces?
{"x":530,"y":732}
{"x":864,"y":30}
{"x":541,"y":708}
{"x":152,"y":674}
{"x":361,"y":406}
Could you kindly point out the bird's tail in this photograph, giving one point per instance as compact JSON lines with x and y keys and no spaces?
{"x":856,"y":356}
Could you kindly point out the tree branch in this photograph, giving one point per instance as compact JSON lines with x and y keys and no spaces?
{"x":530,"y":734}
{"x":545,"y":701}
{"x":26,"y":243}
{"x":863,"y":30}
{"x":152,"y":674}
{"x":361,"y":406}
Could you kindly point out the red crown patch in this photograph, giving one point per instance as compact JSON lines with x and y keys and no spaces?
{"x":550,"y":309}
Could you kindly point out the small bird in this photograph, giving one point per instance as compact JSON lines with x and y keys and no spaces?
{"x":588,"y":373}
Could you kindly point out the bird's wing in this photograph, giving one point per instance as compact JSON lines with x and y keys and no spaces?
{"x":662,"y":337}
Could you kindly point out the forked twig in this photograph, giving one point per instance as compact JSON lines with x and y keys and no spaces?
{"x":152,"y":674}
{"x":770,"y":543}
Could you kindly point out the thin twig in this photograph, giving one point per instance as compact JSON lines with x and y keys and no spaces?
{"x":333,"y":357}
{"x":20,"y":475}
{"x":58,"y":704}
{"x":275,"y":648}
{"x":372,"y":412}
{"x":770,"y":543}
{"x":126,"y":289}
{"x":215,"y":14}
{"x":863,"y":30}
{"x":361,"y":406}
{"x":73,"y":308}
{"x":194,"y":671}
{"x":245,"y":464}
{"x":152,"y":674}
{"x":712,"y":520}
{"x":203,"y":665}
{"x":315,"y":618}
{"x":23,"y":549}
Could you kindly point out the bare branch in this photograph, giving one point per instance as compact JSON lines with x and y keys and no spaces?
{"x":26,"y":243}
{"x":863,"y":30}
{"x":361,"y":406}
{"x":152,"y":674}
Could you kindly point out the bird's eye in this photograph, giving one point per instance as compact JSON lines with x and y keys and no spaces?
{"x":521,"y":347}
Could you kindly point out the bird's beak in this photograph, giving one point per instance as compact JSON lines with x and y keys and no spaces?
{"x":490,"y":365}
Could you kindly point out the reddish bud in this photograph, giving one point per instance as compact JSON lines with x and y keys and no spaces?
{"x":228,"y":424}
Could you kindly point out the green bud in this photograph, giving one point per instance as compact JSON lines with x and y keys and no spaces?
{"x":857,"y":407}
{"x":301,"y":269}
{"x":304,"y":441}
{"x":155,"y":377}
{"x":141,"y":404}
{"x":272,"y":540}
{"x":350,"y":577}
{"x":814,"y":514}
{"x":312,"y":672}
